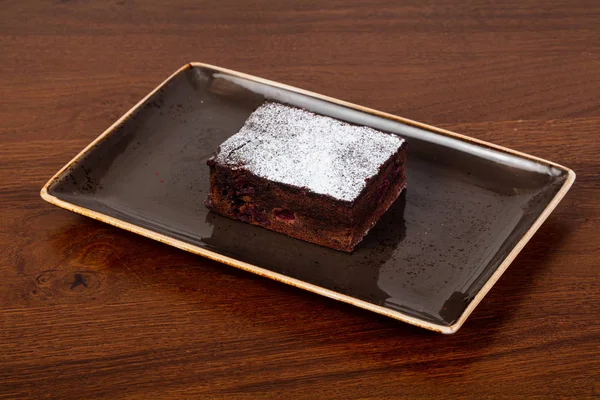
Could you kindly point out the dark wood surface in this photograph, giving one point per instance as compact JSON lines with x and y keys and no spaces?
{"x":88,"y":310}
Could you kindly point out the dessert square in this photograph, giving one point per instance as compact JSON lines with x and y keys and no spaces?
{"x":308,"y":176}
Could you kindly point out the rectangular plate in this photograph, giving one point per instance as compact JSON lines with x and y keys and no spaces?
{"x":468,"y":210}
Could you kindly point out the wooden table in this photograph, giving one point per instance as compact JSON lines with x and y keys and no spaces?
{"x":88,"y":310}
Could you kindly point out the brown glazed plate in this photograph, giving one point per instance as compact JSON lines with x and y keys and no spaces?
{"x":468,"y":210}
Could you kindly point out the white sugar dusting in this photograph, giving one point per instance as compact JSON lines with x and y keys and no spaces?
{"x":293,"y":146}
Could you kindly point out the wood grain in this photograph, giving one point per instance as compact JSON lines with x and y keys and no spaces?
{"x":91,"y":311}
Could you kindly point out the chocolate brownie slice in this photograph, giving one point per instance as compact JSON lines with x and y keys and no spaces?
{"x":308,"y":176}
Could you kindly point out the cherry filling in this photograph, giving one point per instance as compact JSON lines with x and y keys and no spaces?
{"x":248,"y":212}
{"x":283,"y":214}
{"x":243,"y":188}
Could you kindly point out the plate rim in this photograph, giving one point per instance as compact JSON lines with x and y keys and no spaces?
{"x":213,"y":255}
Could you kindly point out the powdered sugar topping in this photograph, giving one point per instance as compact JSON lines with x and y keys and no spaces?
{"x":293,"y":146}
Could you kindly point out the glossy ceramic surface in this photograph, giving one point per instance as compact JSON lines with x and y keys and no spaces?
{"x":468,"y":209}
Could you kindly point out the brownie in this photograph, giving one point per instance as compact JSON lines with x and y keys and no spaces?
{"x":308,"y":176}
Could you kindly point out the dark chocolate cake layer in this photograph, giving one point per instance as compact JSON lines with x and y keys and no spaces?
{"x":307,"y":176}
